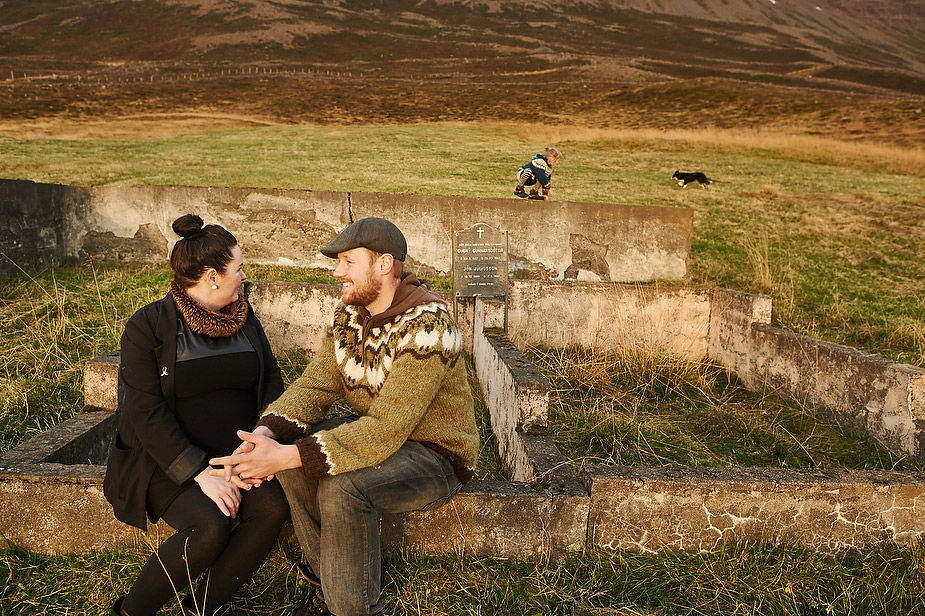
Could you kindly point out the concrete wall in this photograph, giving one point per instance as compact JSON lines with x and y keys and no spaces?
{"x":294,"y":316}
{"x":33,"y":218}
{"x":101,"y":382}
{"x":654,"y":508}
{"x":605,"y":317}
{"x":51,"y":491}
{"x":547,"y":239}
{"x":611,"y":318}
{"x":859,"y":390}
{"x":610,"y":242}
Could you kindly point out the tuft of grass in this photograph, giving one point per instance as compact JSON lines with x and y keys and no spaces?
{"x":55,"y":321}
{"x":759,"y":259}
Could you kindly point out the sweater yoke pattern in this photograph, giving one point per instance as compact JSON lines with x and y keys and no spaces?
{"x":424,"y":332}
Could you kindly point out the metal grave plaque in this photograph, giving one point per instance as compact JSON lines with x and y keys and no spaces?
{"x":480,"y":262}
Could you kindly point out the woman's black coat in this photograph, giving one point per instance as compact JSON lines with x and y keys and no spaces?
{"x":149,"y":434}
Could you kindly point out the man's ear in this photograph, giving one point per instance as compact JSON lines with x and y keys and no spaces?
{"x":385,"y":263}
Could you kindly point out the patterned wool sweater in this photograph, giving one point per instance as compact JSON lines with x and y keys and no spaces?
{"x":403,"y":373}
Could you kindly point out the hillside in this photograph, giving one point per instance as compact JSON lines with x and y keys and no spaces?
{"x":847,"y":69}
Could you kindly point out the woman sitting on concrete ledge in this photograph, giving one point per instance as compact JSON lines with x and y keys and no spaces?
{"x":196,"y":367}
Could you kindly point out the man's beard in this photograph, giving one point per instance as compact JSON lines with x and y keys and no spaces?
{"x":366,"y":293}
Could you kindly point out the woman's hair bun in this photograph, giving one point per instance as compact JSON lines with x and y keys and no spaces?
{"x":187,"y":225}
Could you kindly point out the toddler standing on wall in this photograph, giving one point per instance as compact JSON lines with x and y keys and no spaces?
{"x":537,"y":173}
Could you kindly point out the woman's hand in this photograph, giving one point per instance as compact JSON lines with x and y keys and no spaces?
{"x":222,"y":492}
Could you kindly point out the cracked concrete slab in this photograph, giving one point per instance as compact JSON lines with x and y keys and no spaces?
{"x":653,"y":508}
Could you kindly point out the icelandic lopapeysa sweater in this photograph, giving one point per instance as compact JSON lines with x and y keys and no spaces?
{"x":403,"y":373}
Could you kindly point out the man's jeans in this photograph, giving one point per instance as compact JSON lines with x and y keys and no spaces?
{"x":337,"y":518}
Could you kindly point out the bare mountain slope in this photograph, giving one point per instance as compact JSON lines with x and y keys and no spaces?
{"x":400,"y":60}
{"x":708,"y":33}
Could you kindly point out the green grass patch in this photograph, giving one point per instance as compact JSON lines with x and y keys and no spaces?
{"x":55,"y":321}
{"x":832,"y":234}
{"x":738,"y":578}
{"x":636,"y":408}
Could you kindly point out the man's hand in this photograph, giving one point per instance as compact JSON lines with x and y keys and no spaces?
{"x":245,"y":447}
{"x":223,"y":493}
{"x":258,"y":458}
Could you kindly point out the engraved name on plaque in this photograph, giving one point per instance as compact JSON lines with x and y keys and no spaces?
{"x":480,"y":262}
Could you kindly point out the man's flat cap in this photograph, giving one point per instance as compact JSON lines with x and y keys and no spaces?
{"x":376,"y":234}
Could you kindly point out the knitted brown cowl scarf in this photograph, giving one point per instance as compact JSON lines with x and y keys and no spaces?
{"x":227,"y":321}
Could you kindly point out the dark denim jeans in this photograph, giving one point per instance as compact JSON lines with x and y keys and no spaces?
{"x":337,"y":519}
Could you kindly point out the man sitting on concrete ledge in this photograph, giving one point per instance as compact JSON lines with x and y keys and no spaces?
{"x":394,"y":352}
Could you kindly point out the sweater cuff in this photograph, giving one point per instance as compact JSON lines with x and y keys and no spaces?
{"x":286,"y":430}
{"x":314,"y":461}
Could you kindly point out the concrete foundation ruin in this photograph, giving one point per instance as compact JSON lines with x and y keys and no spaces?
{"x":51,"y":487}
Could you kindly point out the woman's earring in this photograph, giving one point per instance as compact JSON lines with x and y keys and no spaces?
{"x":214,"y":286}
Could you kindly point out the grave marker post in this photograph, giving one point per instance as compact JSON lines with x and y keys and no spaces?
{"x":480,"y":264}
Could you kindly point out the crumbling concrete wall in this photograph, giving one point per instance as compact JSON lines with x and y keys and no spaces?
{"x":865,"y":392}
{"x":294,"y":316}
{"x":609,"y":242}
{"x":268,"y":223}
{"x":547,"y":239}
{"x":33,"y":219}
{"x":611,"y":318}
{"x":101,"y":382}
{"x":51,"y":491}
{"x":498,"y":519}
{"x":517,"y":396}
{"x":832,"y":511}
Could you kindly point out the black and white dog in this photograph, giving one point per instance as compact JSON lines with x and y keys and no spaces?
{"x":688,"y":178}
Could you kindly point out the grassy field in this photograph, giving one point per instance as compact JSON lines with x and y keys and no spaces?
{"x":832,"y":232}
{"x":57,"y":319}
{"x":738,"y":579}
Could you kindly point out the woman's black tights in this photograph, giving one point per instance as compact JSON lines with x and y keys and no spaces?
{"x":209,"y":542}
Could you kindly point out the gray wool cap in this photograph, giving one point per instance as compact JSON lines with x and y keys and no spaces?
{"x":376,"y":234}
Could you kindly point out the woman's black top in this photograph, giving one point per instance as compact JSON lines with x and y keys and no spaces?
{"x":216,"y":381}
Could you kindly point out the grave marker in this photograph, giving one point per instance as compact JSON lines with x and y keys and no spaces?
{"x":480,"y":263}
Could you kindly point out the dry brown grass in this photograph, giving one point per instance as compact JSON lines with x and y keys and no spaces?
{"x":759,"y":259}
{"x":808,"y":148}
